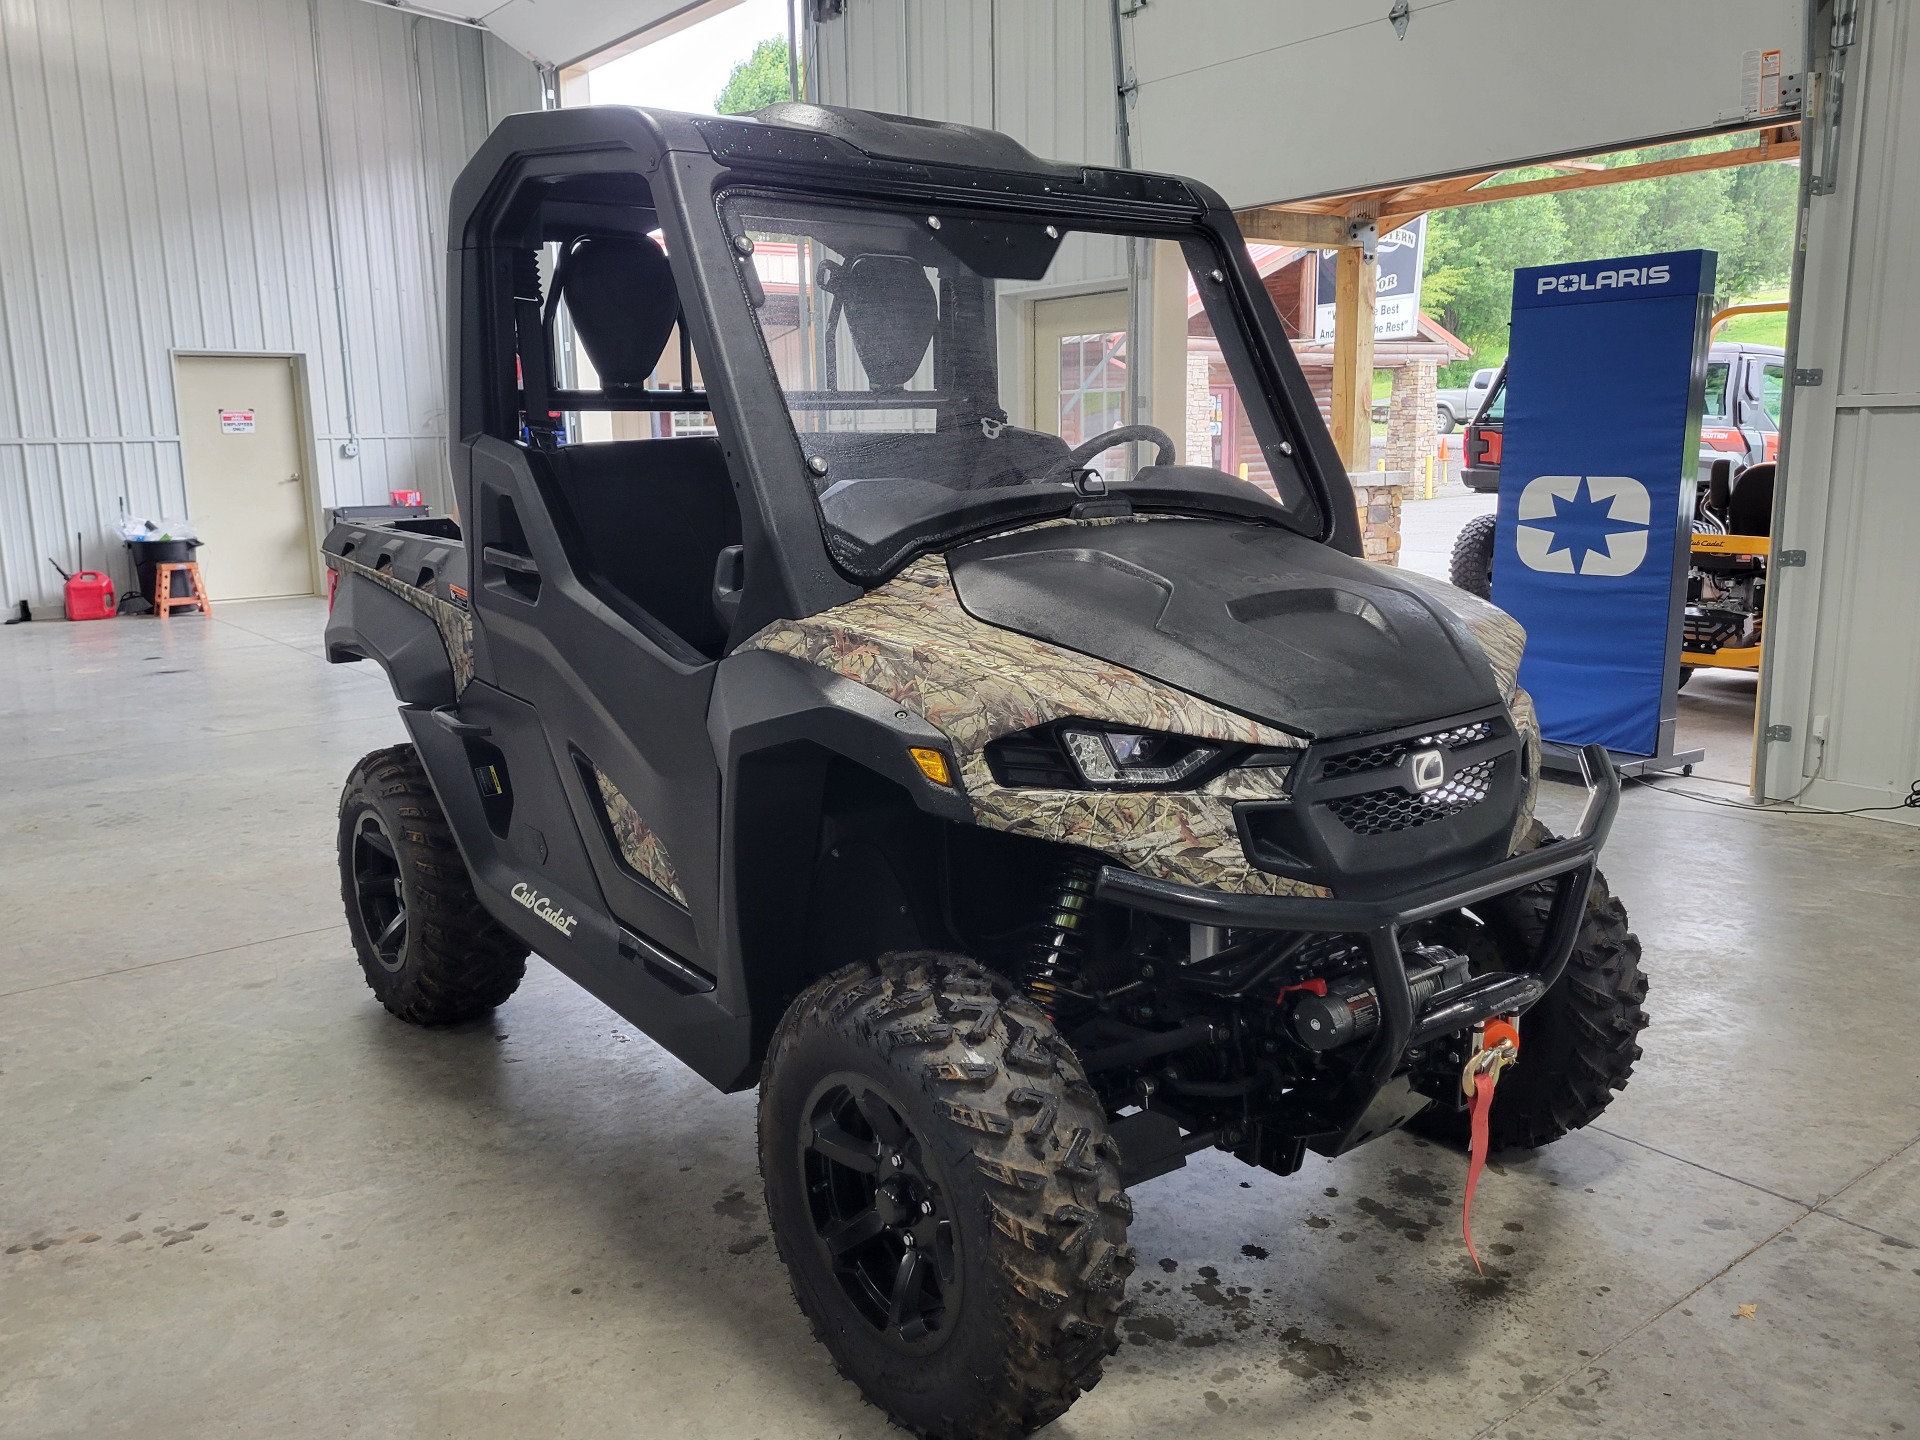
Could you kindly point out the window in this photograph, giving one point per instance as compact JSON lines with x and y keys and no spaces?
{"x":950,"y":372}
{"x":1773,"y":380}
{"x":676,"y":370}
{"x":1716,"y":389}
{"x":1092,"y":393}
{"x":631,"y":469}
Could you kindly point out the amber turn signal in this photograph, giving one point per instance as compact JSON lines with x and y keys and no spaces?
{"x":932,"y":764}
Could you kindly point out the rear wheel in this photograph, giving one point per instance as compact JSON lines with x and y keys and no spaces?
{"x":430,"y":952}
{"x":944,"y":1194}
{"x":1579,"y":1043}
{"x":1447,"y":423}
{"x":1471,"y":568}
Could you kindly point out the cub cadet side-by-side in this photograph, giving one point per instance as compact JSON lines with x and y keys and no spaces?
{"x":1021,"y":814}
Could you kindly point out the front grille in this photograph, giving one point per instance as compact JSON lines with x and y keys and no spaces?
{"x":1382,"y":812}
{"x":1387,"y":757}
{"x":1358,"y":822}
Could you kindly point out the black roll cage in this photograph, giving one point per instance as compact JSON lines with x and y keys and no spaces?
{"x":566,"y":165}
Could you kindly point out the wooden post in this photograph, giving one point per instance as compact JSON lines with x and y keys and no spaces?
{"x":1353,"y":295}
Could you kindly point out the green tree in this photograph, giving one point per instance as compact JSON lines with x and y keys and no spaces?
{"x":757,"y":81}
{"x":1744,"y":213}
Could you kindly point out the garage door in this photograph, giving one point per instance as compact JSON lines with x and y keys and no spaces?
{"x":1842,"y":696}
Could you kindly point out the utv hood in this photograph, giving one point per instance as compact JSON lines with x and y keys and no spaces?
{"x":1251,"y":617}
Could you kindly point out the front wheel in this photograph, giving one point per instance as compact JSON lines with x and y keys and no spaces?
{"x":430,"y":952}
{"x":944,"y":1194}
{"x":1579,"y":1043}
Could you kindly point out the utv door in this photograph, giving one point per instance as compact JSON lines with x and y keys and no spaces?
{"x":592,"y":553}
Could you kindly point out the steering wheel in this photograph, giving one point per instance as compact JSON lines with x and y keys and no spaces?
{"x":1077,"y":457}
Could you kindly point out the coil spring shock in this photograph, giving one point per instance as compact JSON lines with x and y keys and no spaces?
{"x":1057,"y":953}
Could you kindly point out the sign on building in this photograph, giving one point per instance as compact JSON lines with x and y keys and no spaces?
{"x":1396,"y":287}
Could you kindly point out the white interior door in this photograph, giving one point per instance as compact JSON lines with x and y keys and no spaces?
{"x":246,"y":478}
{"x":1079,"y":364}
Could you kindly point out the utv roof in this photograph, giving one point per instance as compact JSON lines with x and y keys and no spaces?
{"x":825,"y":142}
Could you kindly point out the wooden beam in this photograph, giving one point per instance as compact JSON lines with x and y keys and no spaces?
{"x":1293,"y":227}
{"x":1396,"y":204}
{"x":1353,"y":297}
{"x":1397,"y":208}
{"x":1400,"y":195}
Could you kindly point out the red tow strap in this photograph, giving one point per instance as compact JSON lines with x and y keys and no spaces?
{"x":1499,"y":1047}
{"x":1476,"y":1158}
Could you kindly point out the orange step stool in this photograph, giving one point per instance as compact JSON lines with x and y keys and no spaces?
{"x":165,"y":601}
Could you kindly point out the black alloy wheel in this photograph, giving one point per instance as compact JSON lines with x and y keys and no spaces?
{"x":880,"y":1213}
{"x":944,"y":1194}
{"x":378,"y":891}
{"x":428,"y":947}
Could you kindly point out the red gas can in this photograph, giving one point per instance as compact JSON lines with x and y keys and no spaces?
{"x":90,"y":596}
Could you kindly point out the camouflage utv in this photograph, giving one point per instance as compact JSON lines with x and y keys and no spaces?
{"x":902,"y":646}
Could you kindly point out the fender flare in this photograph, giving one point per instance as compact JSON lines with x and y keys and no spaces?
{"x":370,"y":622}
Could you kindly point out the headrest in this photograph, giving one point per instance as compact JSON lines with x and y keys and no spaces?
{"x":891,"y":312}
{"x":620,"y":295}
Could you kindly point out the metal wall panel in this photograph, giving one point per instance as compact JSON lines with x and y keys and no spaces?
{"x":1267,"y":101}
{"x":1844,"y":632}
{"x":163,"y":189}
{"x":1258,"y":98}
{"x":1039,"y":70}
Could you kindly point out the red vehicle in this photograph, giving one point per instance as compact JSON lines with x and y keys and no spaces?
{"x":1740,"y":420}
{"x":1480,"y":446}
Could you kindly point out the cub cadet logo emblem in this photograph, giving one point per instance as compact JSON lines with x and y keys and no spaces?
{"x":1604,"y":280}
{"x":1602,"y":518}
{"x":1429,"y":770}
{"x":545,"y":909}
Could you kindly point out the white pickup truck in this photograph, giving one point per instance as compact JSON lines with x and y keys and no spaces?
{"x":1457,"y":407}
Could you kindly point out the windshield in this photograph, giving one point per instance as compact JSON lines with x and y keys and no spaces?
{"x":945,"y":373}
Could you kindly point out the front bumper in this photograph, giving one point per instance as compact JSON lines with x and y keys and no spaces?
{"x":1567,"y":864}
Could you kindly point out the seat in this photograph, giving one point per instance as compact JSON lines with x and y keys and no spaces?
{"x":1750,"y":508}
{"x":648,"y":518}
{"x":1719,"y":489}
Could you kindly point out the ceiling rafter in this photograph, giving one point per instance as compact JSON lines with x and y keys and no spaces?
{"x":1331,"y":216}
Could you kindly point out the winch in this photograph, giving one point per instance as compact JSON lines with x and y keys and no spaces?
{"x":1333,"y":1013}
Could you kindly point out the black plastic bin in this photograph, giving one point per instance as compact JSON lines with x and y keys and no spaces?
{"x":149,"y":553}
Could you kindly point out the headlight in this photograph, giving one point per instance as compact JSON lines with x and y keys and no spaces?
{"x":1134,"y":758}
{"x":1089,"y":755}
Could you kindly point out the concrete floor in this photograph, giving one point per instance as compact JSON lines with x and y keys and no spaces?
{"x":237,"y":1198}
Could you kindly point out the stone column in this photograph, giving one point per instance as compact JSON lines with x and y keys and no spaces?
{"x":1199,"y":409}
{"x":1377,"y":494}
{"x":1413,"y":431}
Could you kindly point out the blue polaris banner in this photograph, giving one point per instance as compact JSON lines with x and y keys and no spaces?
{"x":1602,"y":395}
